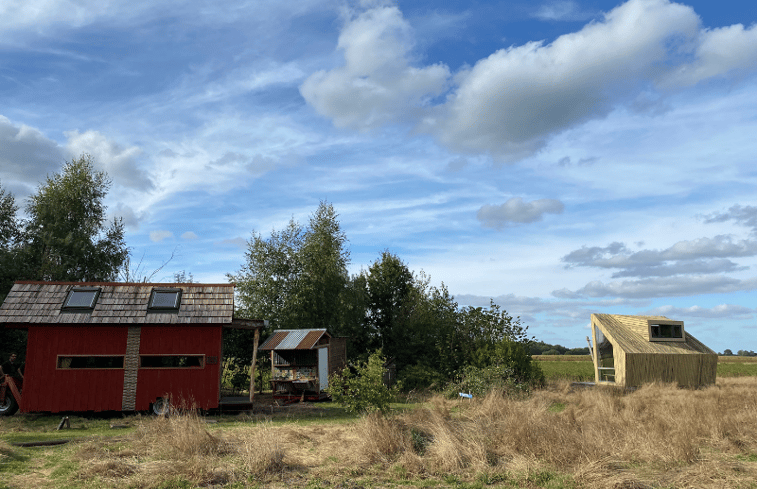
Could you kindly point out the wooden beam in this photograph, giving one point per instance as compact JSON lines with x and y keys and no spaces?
{"x":254,"y":362}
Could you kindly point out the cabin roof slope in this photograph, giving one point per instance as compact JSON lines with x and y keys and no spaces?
{"x":42,"y":302}
{"x":630,"y":333}
{"x":293,"y":339}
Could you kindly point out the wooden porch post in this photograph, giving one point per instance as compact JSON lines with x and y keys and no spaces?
{"x":254,"y":362}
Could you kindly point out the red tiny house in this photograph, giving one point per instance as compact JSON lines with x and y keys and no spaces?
{"x":121,"y":347}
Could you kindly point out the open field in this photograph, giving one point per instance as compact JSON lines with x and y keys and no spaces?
{"x":657,"y":436}
{"x":580,"y":367}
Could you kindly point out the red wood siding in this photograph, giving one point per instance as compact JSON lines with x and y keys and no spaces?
{"x":47,"y":388}
{"x":192,"y":385}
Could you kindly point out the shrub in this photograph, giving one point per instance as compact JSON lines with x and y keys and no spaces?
{"x":421,"y":378}
{"x":479,"y":381}
{"x":363,"y":390}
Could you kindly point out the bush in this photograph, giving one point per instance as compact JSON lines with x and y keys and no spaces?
{"x":363,"y":390}
{"x":421,"y":378}
{"x":479,"y":381}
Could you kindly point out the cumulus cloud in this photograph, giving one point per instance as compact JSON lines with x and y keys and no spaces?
{"x":744,"y":215}
{"x":130,"y":217}
{"x":660,"y":287}
{"x":617,"y":255}
{"x":189,"y":235}
{"x":377,"y":84}
{"x":722,"y":311}
{"x":512,"y":102}
{"x":26,"y":155}
{"x":118,"y":162}
{"x":160,"y":235}
{"x":516,"y":211}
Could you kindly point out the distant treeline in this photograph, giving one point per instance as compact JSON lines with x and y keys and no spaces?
{"x":541,"y":348}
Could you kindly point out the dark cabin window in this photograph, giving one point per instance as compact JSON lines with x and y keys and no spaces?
{"x":662,"y":331}
{"x":81,"y":299}
{"x":90,"y":362}
{"x":165,"y":300}
{"x":171,"y":361}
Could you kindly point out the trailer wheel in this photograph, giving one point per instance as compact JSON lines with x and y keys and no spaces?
{"x":9,"y":406}
{"x":161,"y":407}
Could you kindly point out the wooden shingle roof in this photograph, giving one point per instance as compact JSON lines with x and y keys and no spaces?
{"x":41,"y":302}
{"x":630,"y":333}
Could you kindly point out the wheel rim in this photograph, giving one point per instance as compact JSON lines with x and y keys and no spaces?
{"x":6,"y":404}
{"x":160,"y":407}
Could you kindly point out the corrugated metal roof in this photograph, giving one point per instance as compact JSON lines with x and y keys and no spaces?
{"x":293,"y":339}
{"x":41,"y":302}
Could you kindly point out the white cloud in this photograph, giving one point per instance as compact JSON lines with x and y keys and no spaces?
{"x":661,"y":287}
{"x":511,"y":103}
{"x":729,"y":311}
{"x":721,"y":51}
{"x":377,"y":85}
{"x":561,"y":10}
{"x":117,"y":161}
{"x":158,"y":236}
{"x":236,"y":242}
{"x":189,"y":235}
{"x":26,"y":154}
{"x":515,"y":210}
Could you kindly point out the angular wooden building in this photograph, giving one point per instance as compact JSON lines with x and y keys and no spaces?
{"x":121,"y":346}
{"x":302,"y":361}
{"x":629,"y":351}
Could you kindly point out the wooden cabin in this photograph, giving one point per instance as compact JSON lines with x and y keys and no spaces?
{"x":302,"y":361}
{"x":629,"y":351}
{"x":121,"y":346}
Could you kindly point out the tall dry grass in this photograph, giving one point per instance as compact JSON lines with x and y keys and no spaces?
{"x":180,"y":447}
{"x":589,"y":433}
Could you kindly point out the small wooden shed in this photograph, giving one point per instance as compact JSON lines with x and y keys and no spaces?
{"x":632,"y":350}
{"x":302,"y":361}
{"x":121,"y":346}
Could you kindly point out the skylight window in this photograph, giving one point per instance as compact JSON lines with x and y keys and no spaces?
{"x":81,"y":299}
{"x":666,"y":331}
{"x":165,"y":300}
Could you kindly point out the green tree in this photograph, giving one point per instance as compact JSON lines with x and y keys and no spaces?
{"x":11,"y":267}
{"x":67,"y":237}
{"x":10,"y":234}
{"x":294,"y":279}
{"x":363,"y":390}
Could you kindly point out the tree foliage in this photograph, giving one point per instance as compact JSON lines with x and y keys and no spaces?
{"x":364,"y":389}
{"x":67,"y":237}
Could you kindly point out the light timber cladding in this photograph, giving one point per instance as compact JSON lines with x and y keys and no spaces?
{"x":638,"y":358}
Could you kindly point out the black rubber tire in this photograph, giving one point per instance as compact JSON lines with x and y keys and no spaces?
{"x":160,"y":407}
{"x":9,"y":406}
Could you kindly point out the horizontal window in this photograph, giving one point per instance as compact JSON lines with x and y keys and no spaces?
{"x":172,"y":361}
{"x":666,"y":331}
{"x":90,"y":362}
{"x":81,"y":299}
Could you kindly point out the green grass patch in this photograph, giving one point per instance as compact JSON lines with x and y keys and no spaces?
{"x":570,"y":369}
{"x":737,"y":369}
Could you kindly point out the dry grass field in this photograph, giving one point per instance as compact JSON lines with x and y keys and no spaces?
{"x":656,"y":436}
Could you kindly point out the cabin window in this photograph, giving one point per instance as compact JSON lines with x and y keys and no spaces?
{"x":172,"y":361}
{"x":81,"y":299}
{"x":165,"y":300}
{"x":666,"y":331}
{"x":76,"y":362}
{"x":606,"y":360}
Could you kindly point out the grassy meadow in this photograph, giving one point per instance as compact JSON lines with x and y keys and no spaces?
{"x":557,"y":437}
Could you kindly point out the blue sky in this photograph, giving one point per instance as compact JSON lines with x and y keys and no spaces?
{"x":562,"y":157}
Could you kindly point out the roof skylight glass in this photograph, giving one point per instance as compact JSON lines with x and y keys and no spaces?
{"x":165,"y":299}
{"x":81,"y":298}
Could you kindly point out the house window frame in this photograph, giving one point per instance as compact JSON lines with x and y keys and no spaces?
{"x":59,"y":362}
{"x":91,"y":307}
{"x":652,"y":323}
{"x":199,"y":356}
{"x":159,"y":290}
